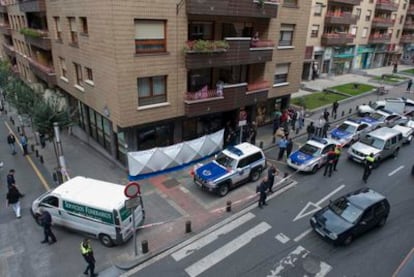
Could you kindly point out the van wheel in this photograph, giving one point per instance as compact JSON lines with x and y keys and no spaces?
{"x":106,"y":240}
{"x":348,"y":240}
{"x":396,"y":151}
{"x":223,"y":189}
{"x":255,"y":174}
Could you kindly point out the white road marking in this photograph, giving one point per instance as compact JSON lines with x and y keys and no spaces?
{"x":316,"y":206}
{"x":282,"y":238}
{"x":226,"y":250}
{"x":395,"y":170}
{"x":183,"y":189}
{"x":301,"y":236}
{"x":198,"y":244}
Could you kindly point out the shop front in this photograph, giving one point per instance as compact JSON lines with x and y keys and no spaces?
{"x":363,"y":57}
{"x":342,"y":60}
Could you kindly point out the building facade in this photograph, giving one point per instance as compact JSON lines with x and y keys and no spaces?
{"x":142,"y":74}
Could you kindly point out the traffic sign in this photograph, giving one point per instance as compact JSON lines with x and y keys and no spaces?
{"x":132,"y":190}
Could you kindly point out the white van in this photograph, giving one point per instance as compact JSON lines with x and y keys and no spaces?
{"x":91,"y":206}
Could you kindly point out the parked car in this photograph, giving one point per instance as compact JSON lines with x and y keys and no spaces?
{"x":312,"y":155}
{"x":366,"y":109}
{"x":233,"y":166}
{"x":407,"y":133}
{"x":349,"y":131}
{"x":351,"y":215}
{"x":384,"y":118}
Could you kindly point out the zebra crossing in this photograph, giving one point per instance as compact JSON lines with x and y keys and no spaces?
{"x":298,"y":260}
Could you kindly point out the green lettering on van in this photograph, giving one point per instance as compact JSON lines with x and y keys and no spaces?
{"x":103,"y":216}
{"x":125,"y":213}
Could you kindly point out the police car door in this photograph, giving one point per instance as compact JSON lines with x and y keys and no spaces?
{"x":324,"y":154}
{"x":242,"y":170}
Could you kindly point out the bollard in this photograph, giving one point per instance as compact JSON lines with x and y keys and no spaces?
{"x":343,"y":113}
{"x":261,"y":144}
{"x":228,"y":206}
{"x":18,"y":129}
{"x":144,"y":246}
{"x":188,"y":226}
{"x":32,"y":147}
{"x":37,"y":153}
{"x":350,"y":110}
{"x":41,"y":159}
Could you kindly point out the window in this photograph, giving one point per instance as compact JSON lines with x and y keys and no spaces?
{"x":314,"y":31}
{"x":78,"y":73}
{"x":371,"y":1}
{"x":401,"y":19}
{"x":358,"y":13}
{"x":84,"y":25}
{"x":318,"y":9}
{"x":281,"y":73}
{"x":63,"y":69}
{"x":58,"y":29}
{"x":286,"y":34}
{"x":364,"y":32}
{"x":404,"y":6}
{"x":73,"y":30}
{"x":200,"y":30}
{"x":397,"y":35}
{"x":354,"y":30}
{"x":150,"y":36}
{"x":152,"y":90}
{"x":368,"y":15}
{"x":290,"y":3}
{"x":89,"y":75}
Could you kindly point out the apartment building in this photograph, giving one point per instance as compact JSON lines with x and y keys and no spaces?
{"x":346,"y":35}
{"x":144,"y":74}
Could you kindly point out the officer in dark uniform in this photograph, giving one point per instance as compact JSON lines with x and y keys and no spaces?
{"x":262,"y":192}
{"x":331,"y":157}
{"x":369,"y":165}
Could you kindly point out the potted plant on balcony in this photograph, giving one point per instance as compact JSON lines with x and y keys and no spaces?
{"x":206,"y":46}
{"x":32,"y":32}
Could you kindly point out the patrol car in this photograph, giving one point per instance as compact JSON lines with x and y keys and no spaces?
{"x":231,"y":167}
{"x":349,"y":131}
{"x":383,"y":118}
{"x":312,"y":155}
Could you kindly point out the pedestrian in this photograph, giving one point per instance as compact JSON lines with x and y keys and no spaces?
{"x":325,"y":129}
{"x":11,"y":140}
{"x":11,"y":181}
{"x":395,"y":67}
{"x":282,"y":148}
{"x":301,"y":118}
{"x":46,"y":222}
{"x":276,"y":123}
{"x":330,"y":160}
{"x":310,"y":130}
{"x":338,"y":151}
{"x":23,"y":142}
{"x":409,"y":85}
{"x":271,"y":173}
{"x":252,"y":133}
{"x":87,"y":253}
{"x":293,"y":119}
{"x":319,"y":125}
{"x":13,"y":199}
{"x":369,"y":165}
{"x":326,"y":115}
{"x":335,"y":106}
{"x":314,"y":70}
{"x":262,"y":192}
{"x":289,"y":147}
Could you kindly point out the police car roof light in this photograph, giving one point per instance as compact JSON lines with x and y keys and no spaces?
{"x":235,"y":150}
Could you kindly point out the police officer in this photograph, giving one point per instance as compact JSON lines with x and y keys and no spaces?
{"x":271,"y":173}
{"x":46,"y":222}
{"x":369,"y":165}
{"x":331,"y":156}
{"x":87,"y":253}
{"x":262,"y":193}
{"x":338,"y":154}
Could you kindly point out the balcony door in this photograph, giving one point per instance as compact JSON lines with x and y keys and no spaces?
{"x":200,"y":30}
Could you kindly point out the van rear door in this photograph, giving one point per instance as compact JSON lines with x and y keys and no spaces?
{"x":126,"y":219}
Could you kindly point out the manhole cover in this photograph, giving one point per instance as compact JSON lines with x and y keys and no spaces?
{"x":170,"y":183}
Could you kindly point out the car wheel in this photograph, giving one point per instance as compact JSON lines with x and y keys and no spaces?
{"x":348,"y":240}
{"x":255,"y":174}
{"x":315,"y":169}
{"x":396,"y":151}
{"x":223,"y":189}
{"x":382,"y":221}
{"x":106,"y":240}
{"x":409,"y":139}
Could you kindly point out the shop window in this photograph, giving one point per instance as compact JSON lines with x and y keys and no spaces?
{"x":281,"y":73}
{"x":152,"y":90}
{"x":200,"y":30}
{"x":155,"y":137}
{"x":150,"y":36}
{"x":286,"y":35}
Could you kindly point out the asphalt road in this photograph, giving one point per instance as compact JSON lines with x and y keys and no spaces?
{"x":278,"y":241}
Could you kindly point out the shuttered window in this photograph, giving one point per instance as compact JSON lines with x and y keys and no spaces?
{"x":281,"y":73}
{"x":150,"y":36}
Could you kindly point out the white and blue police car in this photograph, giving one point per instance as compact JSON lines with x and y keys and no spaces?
{"x":383,"y":118}
{"x":232,"y":166}
{"x":312,"y":155}
{"x":349,"y":131}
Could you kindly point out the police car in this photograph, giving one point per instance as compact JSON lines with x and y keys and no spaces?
{"x":384,"y":118}
{"x":349,"y":131}
{"x":312,"y":155}
{"x":233,"y":166}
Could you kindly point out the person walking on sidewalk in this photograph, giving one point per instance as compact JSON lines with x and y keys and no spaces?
{"x":11,"y":140}
{"x":310,"y":130}
{"x":262,"y":192}
{"x":409,"y":85}
{"x":338,"y":154}
{"x":282,"y":147}
{"x":11,"y":182}
{"x":46,"y":222}
{"x":335,"y":106}
{"x":331,"y":156}
{"x":325,"y":129}
{"x":369,"y":165}
{"x":301,"y":118}
{"x":13,"y":199}
{"x":87,"y":253}
{"x":23,"y":142}
{"x":271,"y":173}
{"x":289,"y":147}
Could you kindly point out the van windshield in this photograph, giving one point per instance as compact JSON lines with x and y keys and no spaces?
{"x":373,"y":142}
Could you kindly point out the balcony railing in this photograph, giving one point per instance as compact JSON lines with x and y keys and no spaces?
{"x":340,"y":18}
{"x":230,"y":97}
{"x":407,"y":39}
{"x":349,"y":2}
{"x":5,"y":29}
{"x":336,"y":39}
{"x":240,"y":51}
{"x":379,"y":22}
{"x":43,"y":72}
{"x":9,"y":50}
{"x":240,"y":8}
{"x":410,"y":10}
{"x":41,"y":40}
{"x":409,"y":25}
{"x":379,"y":38}
{"x":386,"y":5}
{"x":32,"y":6}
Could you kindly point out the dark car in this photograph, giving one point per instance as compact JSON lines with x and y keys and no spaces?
{"x":351,"y":215}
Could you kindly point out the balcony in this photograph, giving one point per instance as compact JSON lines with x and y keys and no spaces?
{"x":240,"y":51}
{"x":337,"y":39}
{"x":232,"y":97}
{"x":38,"y":38}
{"x":3,"y":9}
{"x":240,"y":8}
{"x":410,"y":10}
{"x":386,"y":5}
{"x":348,"y":2}
{"x":9,"y":50}
{"x":379,"y":22}
{"x":27,"y":6}
{"x":379,"y":38}
{"x":409,"y":25}
{"x":407,"y":39}
{"x":5,"y":29}
{"x":341,"y":18}
{"x":43,"y":72}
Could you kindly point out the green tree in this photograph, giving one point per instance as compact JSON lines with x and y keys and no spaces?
{"x":22,"y":97}
{"x":5,"y":73}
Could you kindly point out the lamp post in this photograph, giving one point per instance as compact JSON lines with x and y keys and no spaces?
{"x":61,"y":158}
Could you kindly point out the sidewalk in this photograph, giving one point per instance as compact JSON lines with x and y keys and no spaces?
{"x":172,"y":199}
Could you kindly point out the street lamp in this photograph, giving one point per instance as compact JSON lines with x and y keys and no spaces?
{"x":61,"y":158}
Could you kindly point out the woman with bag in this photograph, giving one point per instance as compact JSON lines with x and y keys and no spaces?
{"x":13,"y":199}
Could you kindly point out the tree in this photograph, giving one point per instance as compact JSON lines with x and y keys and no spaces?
{"x":22,"y":97}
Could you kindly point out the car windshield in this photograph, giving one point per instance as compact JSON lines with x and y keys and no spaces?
{"x":374,"y":142}
{"x":225,"y":160}
{"x":343,"y":208}
{"x":377,"y":116}
{"x":347,"y":128}
{"x":310,"y":150}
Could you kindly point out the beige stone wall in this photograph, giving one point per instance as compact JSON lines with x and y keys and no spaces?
{"x":316,"y":20}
